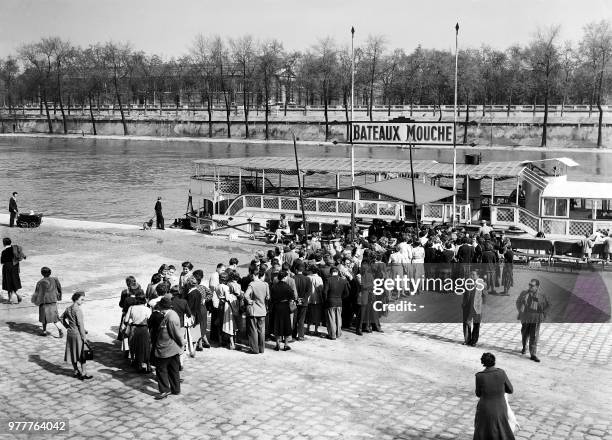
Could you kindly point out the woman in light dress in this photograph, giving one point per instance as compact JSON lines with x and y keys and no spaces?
{"x":76,"y":336}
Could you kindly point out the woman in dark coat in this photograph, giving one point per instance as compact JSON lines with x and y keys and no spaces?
{"x":11,"y":282}
{"x":491,"y":422}
{"x":46,"y":295}
{"x":280,"y":295}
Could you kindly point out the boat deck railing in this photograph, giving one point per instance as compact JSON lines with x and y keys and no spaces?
{"x":443,"y":213}
{"x":532,"y":223}
{"x":318,"y":205}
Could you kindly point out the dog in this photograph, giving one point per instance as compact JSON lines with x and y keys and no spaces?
{"x":146,"y":226}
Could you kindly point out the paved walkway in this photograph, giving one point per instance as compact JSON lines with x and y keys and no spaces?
{"x":414,"y":381}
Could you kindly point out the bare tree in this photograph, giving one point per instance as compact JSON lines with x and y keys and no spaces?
{"x":373,"y":52}
{"x":201,"y":55}
{"x":268,"y":65}
{"x":93,"y":74}
{"x":597,"y":44}
{"x":568,"y":63}
{"x":243,"y":54}
{"x":8,"y":74}
{"x":326,"y":56}
{"x":223,"y":72}
{"x":40,"y":63}
{"x":115,"y":56}
{"x":544,"y":61}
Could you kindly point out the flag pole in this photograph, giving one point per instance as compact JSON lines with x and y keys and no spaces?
{"x":455,"y":129}
{"x":351,"y":134}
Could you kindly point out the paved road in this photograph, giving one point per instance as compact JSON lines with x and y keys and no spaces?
{"x":414,"y":381}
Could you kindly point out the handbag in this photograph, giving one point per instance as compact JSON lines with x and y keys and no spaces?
{"x":292,"y":306}
{"x":88,"y":354}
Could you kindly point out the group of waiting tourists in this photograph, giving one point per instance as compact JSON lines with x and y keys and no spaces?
{"x":293,"y":290}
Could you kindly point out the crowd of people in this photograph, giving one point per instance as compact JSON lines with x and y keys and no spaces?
{"x":293,"y":290}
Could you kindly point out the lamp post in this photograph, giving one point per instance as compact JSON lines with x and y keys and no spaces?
{"x":455,"y":129}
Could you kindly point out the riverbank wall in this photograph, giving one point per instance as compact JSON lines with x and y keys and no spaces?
{"x":512,"y":131}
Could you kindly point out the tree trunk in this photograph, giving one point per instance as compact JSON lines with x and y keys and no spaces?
{"x":544,"y":124}
{"x":371,"y":100}
{"x":125,"y":129}
{"x":509,"y":103}
{"x":326,"y":115}
{"x":245,"y":105}
{"x":228,"y":111}
{"x":563,"y":103}
{"x":346,"y":114}
{"x":209,"y":111}
{"x":44,"y":95}
{"x":267,"y":98}
{"x":61,"y":103}
{"x":603,"y":65}
{"x":535,"y":102}
{"x":91,"y":115}
{"x":467,"y":120}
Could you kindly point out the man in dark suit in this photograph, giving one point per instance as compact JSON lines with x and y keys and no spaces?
{"x":336,"y":289}
{"x":158,"y":214}
{"x":471,"y":307}
{"x":303,"y":285}
{"x":532,"y":306}
{"x":13,"y":210}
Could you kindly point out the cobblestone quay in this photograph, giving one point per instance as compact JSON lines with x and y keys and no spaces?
{"x":415,"y":381}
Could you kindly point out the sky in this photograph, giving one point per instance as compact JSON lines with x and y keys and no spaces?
{"x":169,"y":27}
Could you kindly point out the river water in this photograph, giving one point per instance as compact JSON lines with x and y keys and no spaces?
{"x":119,"y":180}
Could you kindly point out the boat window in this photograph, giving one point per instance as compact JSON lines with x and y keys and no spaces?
{"x":549,"y":207}
{"x":561,"y":207}
{"x":555,"y":207}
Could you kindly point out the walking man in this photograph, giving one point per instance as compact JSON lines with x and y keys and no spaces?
{"x":13,"y":210}
{"x":168,"y":347}
{"x":158,"y":214}
{"x":471,"y":305}
{"x":532,"y":306}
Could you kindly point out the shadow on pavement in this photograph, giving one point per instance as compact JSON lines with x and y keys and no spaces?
{"x":24,"y":327}
{"x":118,"y":367}
{"x":480,"y":345}
{"x":50,"y":366}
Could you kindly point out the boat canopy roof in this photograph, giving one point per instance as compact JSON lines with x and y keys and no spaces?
{"x":401,"y":189}
{"x":342,"y":165}
{"x":563,"y":188}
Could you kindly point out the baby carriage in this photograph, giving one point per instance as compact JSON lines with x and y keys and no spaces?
{"x":31,"y":220}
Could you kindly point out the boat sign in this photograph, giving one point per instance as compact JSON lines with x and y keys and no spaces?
{"x":424,"y":133}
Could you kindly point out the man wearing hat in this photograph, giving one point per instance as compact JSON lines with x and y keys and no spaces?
{"x":168,"y":347}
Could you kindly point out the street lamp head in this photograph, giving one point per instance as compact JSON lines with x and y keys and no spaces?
{"x":457,"y":27}
{"x":352,"y":30}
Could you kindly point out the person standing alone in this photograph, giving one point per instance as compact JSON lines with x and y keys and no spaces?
{"x":158,"y":214}
{"x":532,"y":306}
{"x":13,"y":210}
